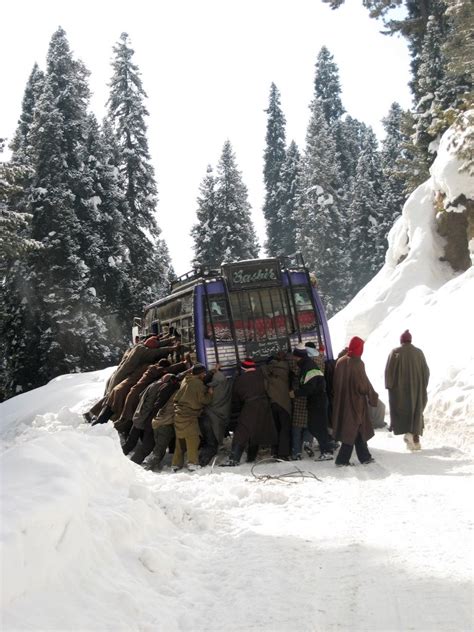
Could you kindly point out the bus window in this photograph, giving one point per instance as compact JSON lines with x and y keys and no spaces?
{"x":304,"y":307}
{"x":260,"y":314}
{"x":220,"y":319}
{"x":187,"y":331}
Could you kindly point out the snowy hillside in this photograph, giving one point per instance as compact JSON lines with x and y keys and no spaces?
{"x":416,"y":291}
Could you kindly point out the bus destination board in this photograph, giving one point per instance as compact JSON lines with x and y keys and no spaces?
{"x":252,"y":274}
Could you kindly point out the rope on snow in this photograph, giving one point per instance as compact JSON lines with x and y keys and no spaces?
{"x":296,"y":473}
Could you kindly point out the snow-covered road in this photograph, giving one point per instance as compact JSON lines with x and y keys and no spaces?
{"x":92,"y":542}
{"x":380,"y":547}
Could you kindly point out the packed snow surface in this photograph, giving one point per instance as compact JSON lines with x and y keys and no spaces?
{"x":91,"y":541}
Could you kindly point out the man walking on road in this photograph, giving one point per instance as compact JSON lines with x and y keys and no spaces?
{"x":406,"y":378}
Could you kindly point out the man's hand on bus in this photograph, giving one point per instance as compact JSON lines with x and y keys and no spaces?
{"x":217,"y":367}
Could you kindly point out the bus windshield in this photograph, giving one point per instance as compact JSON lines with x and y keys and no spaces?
{"x":260,"y":314}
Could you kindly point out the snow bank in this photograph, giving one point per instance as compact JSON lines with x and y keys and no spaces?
{"x":78,"y":517}
{"x":416,"y":291}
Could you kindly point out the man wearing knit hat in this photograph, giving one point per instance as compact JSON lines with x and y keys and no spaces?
{"x":406,"y":378}
{"x":353,"y":393}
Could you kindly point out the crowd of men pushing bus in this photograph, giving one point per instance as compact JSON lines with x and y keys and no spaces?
{"x":158,"y":405}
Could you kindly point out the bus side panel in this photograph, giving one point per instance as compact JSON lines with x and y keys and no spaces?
{"x":324,"y":325}
{"x":199,"y":325}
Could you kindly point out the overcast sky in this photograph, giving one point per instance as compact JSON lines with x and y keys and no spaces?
{"x":207,"y":66}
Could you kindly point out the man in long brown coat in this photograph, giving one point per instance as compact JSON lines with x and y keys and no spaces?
{"x":352,"y":394}
{"x":406,"y":377}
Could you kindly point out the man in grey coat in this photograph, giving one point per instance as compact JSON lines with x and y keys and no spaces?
{"x":215,"y":416}
{"x":406,"y":378}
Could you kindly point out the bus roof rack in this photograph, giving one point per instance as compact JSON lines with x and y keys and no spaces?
{"x":203,"y":272}
{"x":294,"y":261}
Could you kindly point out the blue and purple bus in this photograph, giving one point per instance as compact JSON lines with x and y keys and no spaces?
{"x":250,"y":308}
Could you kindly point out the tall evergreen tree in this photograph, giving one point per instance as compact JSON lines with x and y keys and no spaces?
{"x":15,"y":246}
{"x":327,"y":87}
{"x":393,"y":156}
{"x":147,"y":255}
{"x":349,"y":134}
{"x":72,"y":331}
{"x":291,"y":186}
{"x":369,"y":219}
{"x":21,"y":143}
{"x":320,"y":225}
{"x":233,"y":224}
{"x":274,"y":158}
{"x":207,"y":248}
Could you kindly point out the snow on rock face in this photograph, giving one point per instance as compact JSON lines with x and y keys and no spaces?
{"x":449,"y":174}
{"x":415,"y":290}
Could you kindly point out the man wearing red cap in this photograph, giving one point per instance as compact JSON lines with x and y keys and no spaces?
{"x":352,"y":394}
{"x":406,"y":378}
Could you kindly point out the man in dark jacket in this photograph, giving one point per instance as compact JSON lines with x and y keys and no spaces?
{"x":277,"y":381}
{"x":406,"y":377}
{"x":215,"y":416}
{"x":255,"y":423}
{"x":313,"y":385}
{"x":352,"y":394}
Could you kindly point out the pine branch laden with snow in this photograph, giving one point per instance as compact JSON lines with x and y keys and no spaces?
{"x":417,"y":290}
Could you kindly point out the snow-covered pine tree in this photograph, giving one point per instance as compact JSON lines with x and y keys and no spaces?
{"x":368,"y":217}
{"x":458,"y":47}
{"x":320,"y":228}
{"x":73,"y":334}
{"x":274,"y":157}
{"x":20,"y":144}
{"x":105,"y":203}
{"x":327,"y":87}
{"x":393,"y":156}
{"x":15,"y":246}
{"x":233,"y":226}
{"x":207,"y":248}
{"x":349,"y":133}
{"x":147,"y":255}
{"x":291,"y":186}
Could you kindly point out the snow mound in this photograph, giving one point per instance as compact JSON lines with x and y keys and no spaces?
{"x":415,"y":290}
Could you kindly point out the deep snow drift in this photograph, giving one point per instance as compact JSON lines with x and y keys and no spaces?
{"x":92,"y":542}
